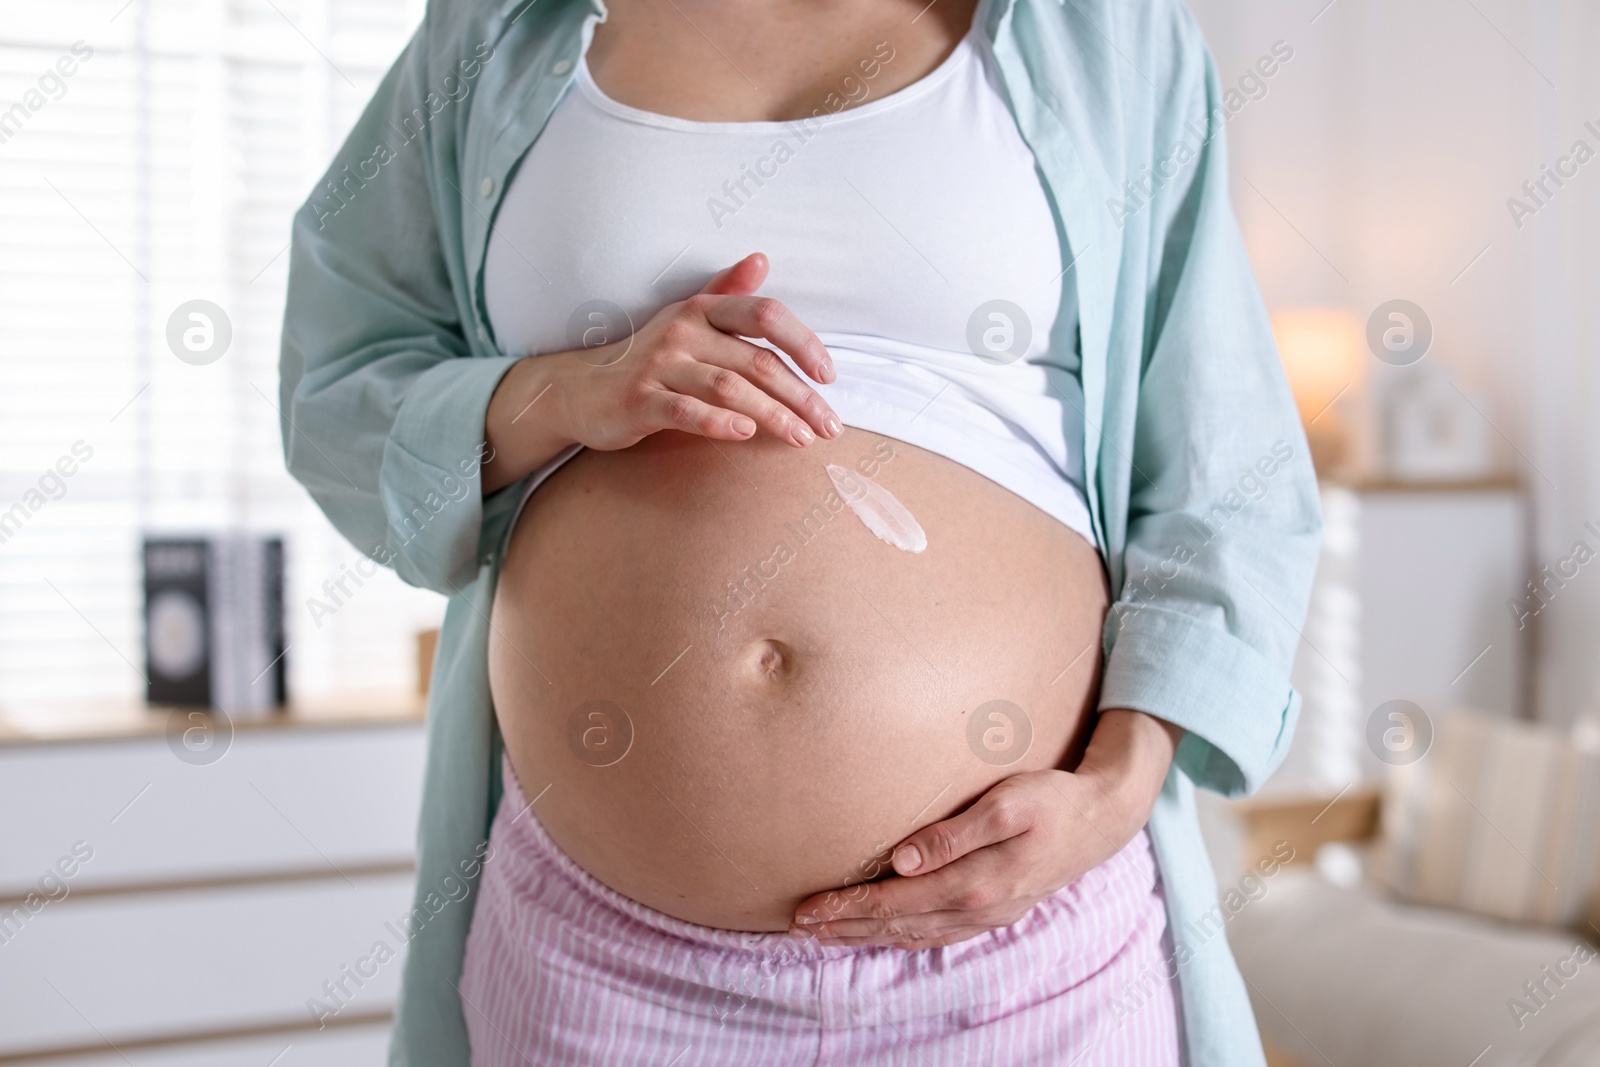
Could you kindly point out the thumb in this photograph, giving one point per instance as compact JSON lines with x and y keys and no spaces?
{"x":741,"y":279}
{"x":941,"y":843}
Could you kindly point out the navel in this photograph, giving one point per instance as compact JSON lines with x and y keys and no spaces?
{"x":769,"y":661}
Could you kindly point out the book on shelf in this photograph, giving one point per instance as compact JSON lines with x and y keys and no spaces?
{"x":214,"y":627}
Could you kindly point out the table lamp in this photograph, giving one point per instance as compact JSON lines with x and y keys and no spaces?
{"x":1321,"y":349}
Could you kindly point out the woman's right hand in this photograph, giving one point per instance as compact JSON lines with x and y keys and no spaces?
{"x":687,"y":369}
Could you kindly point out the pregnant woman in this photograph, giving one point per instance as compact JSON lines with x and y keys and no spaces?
{"x":852,"y":442}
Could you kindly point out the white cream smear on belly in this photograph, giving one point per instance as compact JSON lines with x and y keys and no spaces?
{"x":878,"y":510}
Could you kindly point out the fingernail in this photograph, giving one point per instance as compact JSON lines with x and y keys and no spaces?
{"x":743,"y":426}
{"x":907,"y":859}
{"x":802,"y":434}
{"x":831,"y":423}
{"x":807,"y":920}
{"x":828,"y":374}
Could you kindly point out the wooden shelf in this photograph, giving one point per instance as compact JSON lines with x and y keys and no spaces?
{"x":1375,"y":484}
{"x":1307,"y":822}
{"x":45,"y":722}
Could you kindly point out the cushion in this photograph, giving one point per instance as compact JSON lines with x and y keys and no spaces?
{"x":1501,"y":818}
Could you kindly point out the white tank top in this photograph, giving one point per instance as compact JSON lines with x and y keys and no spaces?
{"x":910,"y":233}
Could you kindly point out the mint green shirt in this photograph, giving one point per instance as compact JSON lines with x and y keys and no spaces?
{"x":1198,"y":480}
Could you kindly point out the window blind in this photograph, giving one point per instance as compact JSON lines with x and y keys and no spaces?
{"x":152,"y":153}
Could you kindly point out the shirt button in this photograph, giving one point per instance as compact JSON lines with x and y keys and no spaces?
{"x":561,"y":67}
{"x":487,"y":188}
{"x":483,"y":335}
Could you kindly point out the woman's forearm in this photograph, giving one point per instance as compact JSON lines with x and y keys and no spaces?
{"x":525,"y":425}
{"x":1128,"y":756}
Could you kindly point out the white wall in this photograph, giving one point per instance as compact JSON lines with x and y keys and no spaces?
{"x":1387,"y":148}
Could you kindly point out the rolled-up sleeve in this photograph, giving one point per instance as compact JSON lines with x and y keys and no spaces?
{"x":1223,"y":523}
{"x":382,"y":399}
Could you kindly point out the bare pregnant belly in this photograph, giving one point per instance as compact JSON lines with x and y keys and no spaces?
{"x":727,"y":694}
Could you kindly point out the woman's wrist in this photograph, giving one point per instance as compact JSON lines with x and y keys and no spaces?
{"x":1128,"y":756}
{"x":526,"y":422}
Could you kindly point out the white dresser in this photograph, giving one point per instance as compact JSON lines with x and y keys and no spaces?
{"x":164,"y":902}
{"x":1413,"y":601}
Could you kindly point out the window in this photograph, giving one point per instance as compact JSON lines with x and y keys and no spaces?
{"x":152,"y":153}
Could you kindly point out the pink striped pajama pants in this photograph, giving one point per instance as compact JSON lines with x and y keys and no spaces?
{"x":563,"y":970}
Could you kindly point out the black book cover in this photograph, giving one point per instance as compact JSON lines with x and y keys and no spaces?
{"x":275,"y":627}
{"x":177,"y":622}
{"x":214,"y":623}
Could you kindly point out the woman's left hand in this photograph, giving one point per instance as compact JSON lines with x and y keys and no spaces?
{"x":1025,"y":838}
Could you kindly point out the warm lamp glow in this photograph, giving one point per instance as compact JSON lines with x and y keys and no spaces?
{"x":1321,"y":353}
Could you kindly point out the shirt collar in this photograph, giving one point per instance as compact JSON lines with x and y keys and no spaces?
{"x":510,"y":11}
